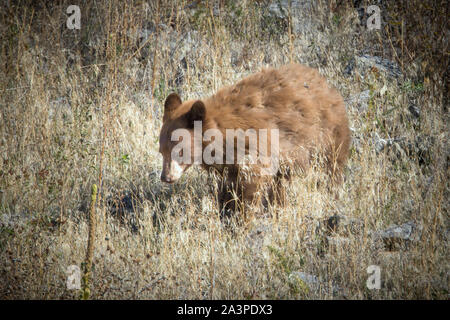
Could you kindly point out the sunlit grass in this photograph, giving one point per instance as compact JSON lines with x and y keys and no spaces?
{"x":61,"y":90}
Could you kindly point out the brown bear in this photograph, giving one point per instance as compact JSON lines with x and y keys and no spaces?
{"x":303,"y":114}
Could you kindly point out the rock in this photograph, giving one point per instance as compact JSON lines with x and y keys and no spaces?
{"x":380,"y":144}
{"x":403,"y":231}
{"x":279,"y":9}
{"x":414,"y":110}
{"x":398,"y":236}
{"x":297,"y":278}
{"x":192,"y":5}
{"x":408,"y":205}
{"x":389,"y":68}
{"x":310,"y":280}
{"x":357,"y":140}
{"x":13,"y":220}
{"x":343,"y":225}
{"x":183,"y":48}
{"x":337,"y":243}
{"x":359,"y":101}
{"x":144,"y":33}
{"x":301,"y":21}
{"x":349,"y":68}
{"x":61,"y":109}
{"x":395,"y":146}
{"x":259,"y":236}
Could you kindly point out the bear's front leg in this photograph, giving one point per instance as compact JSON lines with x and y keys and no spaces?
{"x":238,"y":197}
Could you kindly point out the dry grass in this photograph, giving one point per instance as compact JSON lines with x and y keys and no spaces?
{"x":71,"y":99}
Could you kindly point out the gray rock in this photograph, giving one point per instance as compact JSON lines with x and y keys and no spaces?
{"x":301,"y":21}
{"x":403,"y":231}
{"x":359,"y":101}
{"x":280,"y":8}
{"x":349,"y":67}
{"x":337,"y":242}
{"x":258,"y":235}
{"x":145,"y":33}
{"x":366,"y":62}
{"x":414,"y":110}
{"x":310,"y":280}
{"x":357,"y":139}
{"x":343,"y":225}
{"x":398,"y":235}
{"x":315,"y":285}
{"x":13,"y":220}
{"x":395,"y":145}
{"x":379,"y":143}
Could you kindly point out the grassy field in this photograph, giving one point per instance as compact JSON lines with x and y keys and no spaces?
{"x":84,"y":106}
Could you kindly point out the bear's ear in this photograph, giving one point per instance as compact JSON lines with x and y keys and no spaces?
{"x":173,"y":101}
{"x":197,"y":113}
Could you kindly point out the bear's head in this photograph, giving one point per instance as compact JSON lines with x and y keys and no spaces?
{"x":176,"y":140}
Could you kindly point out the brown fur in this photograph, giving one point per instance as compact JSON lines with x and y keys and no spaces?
{"x":295,"y":99}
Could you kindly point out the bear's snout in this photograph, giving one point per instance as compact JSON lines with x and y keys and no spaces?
{"x":172,"y":171}
{"x":167,"y":178}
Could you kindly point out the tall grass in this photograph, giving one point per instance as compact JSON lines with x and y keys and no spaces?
{"x":81,"y":107}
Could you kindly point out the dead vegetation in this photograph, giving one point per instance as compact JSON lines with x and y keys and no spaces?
{"x":79,"y":107}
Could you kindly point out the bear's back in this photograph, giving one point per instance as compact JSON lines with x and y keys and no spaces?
{"x":294,"y":99}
